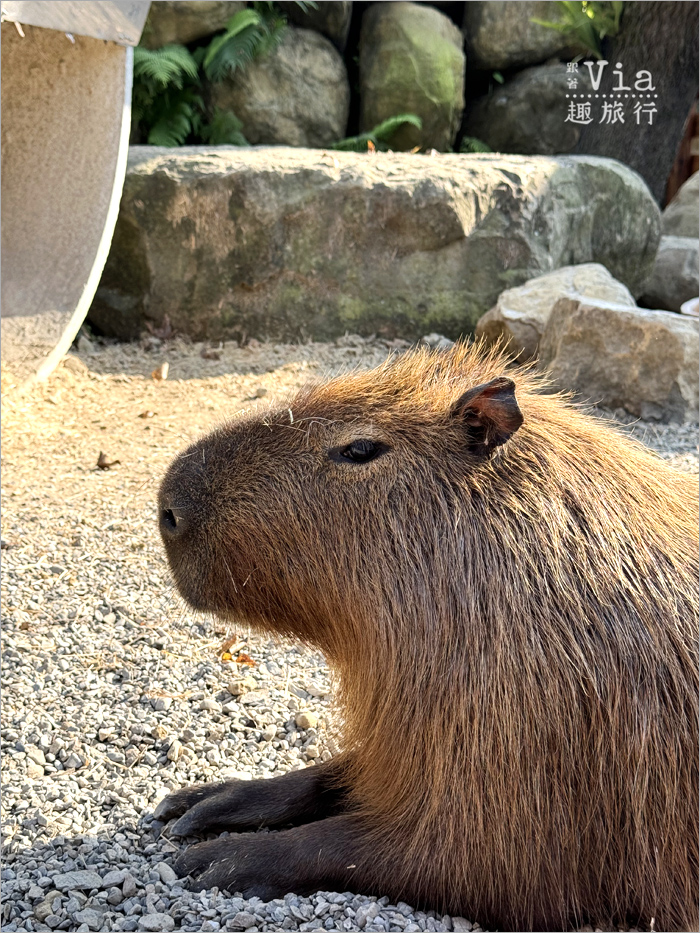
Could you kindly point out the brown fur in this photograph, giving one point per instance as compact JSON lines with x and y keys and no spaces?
{"x":516,"y":636}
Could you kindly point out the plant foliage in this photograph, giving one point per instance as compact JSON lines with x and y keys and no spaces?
{"x":223,"y":129}
{"x":166,"y":94}
{"x":168,"y":107}
{"x":378,"y":137}
{"x":249,"y":34}
{"x":470,"y":144}
{"x":587,"y":22}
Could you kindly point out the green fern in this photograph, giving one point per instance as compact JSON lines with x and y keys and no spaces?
{"x":174,"y":117}
{"x":379,"y":135}
{"x":224,"y":129}
{"x":587,"y":22}
{"x":166,"y":96}
{"x":470,"y":144}
{"x":249,"y":34}
{"x":171,"y":64}
{"x":167,"y":106}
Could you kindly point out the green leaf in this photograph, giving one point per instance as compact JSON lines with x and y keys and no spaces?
{"x":587,"y":22}
{"x":224,"y":128}
{"x":472,"y":144}
{"x":168,"y":65}
{"x":173,"y":128}
{"x":387,"y":128}
{"x":379,"y":135}
{"x":243,"y":20}
{"x":498,"y":77}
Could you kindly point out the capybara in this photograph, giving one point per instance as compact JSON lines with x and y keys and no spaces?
{"x":507,"y":589}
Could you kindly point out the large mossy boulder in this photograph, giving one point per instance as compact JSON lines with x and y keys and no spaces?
{"x":184,"y":21}
{"x":292,"y":243}
{"x":503,"y":35}
{"x":295,"y":95}
{"x":331,"y":19}
{"x":529,"y":114}
{"x":412,"y":61}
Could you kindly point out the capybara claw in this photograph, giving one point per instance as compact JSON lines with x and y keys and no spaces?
{"x":179,"y":802}
{"x":187,"y":825}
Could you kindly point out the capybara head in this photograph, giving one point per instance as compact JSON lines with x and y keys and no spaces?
{"x":508,"y":590}
{"x":336,"y":505}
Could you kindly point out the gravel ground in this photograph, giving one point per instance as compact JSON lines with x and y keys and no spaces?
{"x":114,"y":692}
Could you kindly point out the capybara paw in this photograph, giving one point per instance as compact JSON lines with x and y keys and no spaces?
{"x":182,"y":800}
{"x":233,"y":863}
{"x":211,"y":808}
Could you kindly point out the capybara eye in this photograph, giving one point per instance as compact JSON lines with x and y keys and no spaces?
{"x":360,"y":451}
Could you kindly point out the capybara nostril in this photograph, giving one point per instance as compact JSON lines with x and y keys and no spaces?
{"x":172,"y":522}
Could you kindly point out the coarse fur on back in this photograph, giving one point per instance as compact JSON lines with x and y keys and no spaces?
{"x":512,"y":613}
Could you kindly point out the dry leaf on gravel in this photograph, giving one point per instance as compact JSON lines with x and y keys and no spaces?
{"x":103,"y":463}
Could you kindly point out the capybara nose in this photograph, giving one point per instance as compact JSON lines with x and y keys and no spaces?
{"x":173,"y":522}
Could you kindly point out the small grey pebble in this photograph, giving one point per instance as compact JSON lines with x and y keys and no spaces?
{"x":166,"y":873}
{"x":243,"y":921}
{"x":129,"y":887}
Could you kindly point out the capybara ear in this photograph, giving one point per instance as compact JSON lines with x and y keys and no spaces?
{"x":491,"y":414}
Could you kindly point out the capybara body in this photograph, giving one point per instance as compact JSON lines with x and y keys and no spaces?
{"x":507,"y":590}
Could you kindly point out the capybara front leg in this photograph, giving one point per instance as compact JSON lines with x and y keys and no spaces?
{"x":298,"y":797}
{"x":328,"y":855}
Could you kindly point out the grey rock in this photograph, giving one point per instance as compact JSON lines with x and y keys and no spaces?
{"x":167,"y":874}
{"x":330,"y":19}
{"x":287,"y":243}
{"x":156,"y":923}
{"x":85,"y":345}
{"x":503,"y":35}
{"x":411,"y":61}
{"x":306,"y":720}
{"x":175,"y":750}
{"x":36,"y":755}
{"x":93,"y":919}
{"x":437,"y":341}
{"x":114,"y":877}
{"x":241,"y":685}
{"x":528,"y":114}
{"x":129,"y":886}
{"x":674,"y":279}
{"x":520,"y":316}
{"x":183,"y":21}
{"x":243,"y":921}
{"x":44,"y":909}
{"x":83,"y":880}
{"x":74,"y":761}
{"x":680,"y":217}
{"x":296,"y":95}
{"x":645,"y":362}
